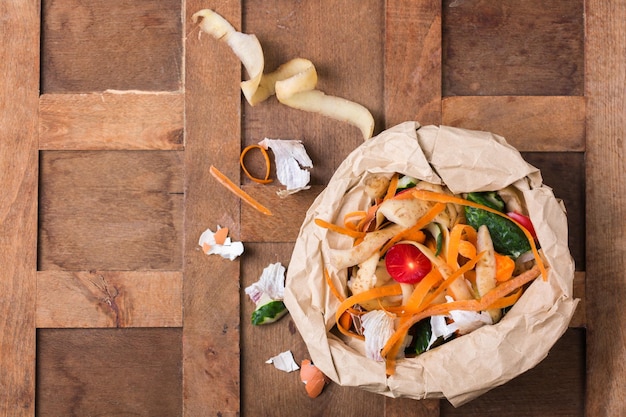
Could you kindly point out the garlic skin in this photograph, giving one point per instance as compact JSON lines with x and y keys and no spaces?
{"x":378,"y":327}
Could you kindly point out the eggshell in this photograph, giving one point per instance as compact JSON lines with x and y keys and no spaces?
{"x":314,"y":380}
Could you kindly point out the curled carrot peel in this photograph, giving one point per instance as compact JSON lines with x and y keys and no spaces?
{"x":226,"y":182}
{"x":266,"y":156}
{"x":374,"y":293}
{"x":445,"y":198}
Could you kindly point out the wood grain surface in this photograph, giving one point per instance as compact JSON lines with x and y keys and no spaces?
{"x":92,"y":299}
{"x":605,"y":72}
{"x":211,"y":335}
{"x":109,"y":372}
{"x":513,"y":48}
{"x":116,"y":111}
{"x":117,"y":210}
{"x":111,"y":121}
{"x":19,"y":58}
{"x":111,"y":45}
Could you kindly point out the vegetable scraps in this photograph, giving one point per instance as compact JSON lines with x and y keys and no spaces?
{"x":291,"y":163}
{"x":427,"y":266}
{"x":218,"y":243}
{"x":226,"y":182}
{"x":268,"y":294}
{"x":293,"y":82}
{"x":314,"y":380}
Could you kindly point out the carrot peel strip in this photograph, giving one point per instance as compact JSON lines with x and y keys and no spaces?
{"x":226,"y":182}
{"x":482,"y":304}
{"x":393,"y":186}
{"x":266,"y":156}
{"x":339,"y":229}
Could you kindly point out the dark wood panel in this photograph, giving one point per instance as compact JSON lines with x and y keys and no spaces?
{"x":564,"y":172}
{"x":110,"y":210}
{"x":111,"y":44}
{"x":554,"y":388}
{"x":545,"y":123}
{"x":111,"y":372}
{"x":349,"y":64}
{"x":267,"y":391}
{"x":510,"y":47}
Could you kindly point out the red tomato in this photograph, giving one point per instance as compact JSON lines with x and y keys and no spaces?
{"x":524,"y":221}
{"x":406,"y":263}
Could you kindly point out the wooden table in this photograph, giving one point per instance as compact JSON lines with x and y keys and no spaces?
{"x":112,"y":111}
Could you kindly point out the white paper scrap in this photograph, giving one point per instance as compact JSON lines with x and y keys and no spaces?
{"x":284,"y":362}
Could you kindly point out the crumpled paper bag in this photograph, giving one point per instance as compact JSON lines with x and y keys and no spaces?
{"x":466,"y":367}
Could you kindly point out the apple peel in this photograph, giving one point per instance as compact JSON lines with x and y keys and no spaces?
{"x":294,"y":82}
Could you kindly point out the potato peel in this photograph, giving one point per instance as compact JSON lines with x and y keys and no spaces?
{"x":294,"y":83}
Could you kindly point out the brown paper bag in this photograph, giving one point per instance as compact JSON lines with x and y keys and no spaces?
{"x":465,"y":367}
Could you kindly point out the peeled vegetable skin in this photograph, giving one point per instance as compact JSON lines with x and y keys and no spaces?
{"x":508,"y":239}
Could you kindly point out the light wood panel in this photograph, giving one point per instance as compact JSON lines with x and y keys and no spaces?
{"x":111,"y":121}
{"x":19,"y":66}
{"x":93,"y":299}
{"x":605,"y":71}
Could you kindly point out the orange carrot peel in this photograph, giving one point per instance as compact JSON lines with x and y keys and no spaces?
{"x":226,"y":182}
{"x":266,"y":156}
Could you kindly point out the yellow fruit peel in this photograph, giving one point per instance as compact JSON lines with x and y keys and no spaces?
{"x":294,"y":82}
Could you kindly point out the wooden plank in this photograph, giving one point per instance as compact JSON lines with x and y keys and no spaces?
{"x":211,"y":379}
{"x":404,"y":407}
{"x":413,"y":68}
{"x":109,"y":372}
{"x":19,"y":66}
{"x":117,"y":44}
{"x":580,"y":316}
{"x":284,"y":395}
{"x":529,"y":123}
{"x":413,"y":62}
{"x":340,"y":39}
{"x":113,"y":210}
{"x":287,"y":214}
{"x":513,"y":48}
{"x":555,"y":387}
{"x":111,"y":121}
{"x":92,"y":299}
{"x":606,"y":201}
